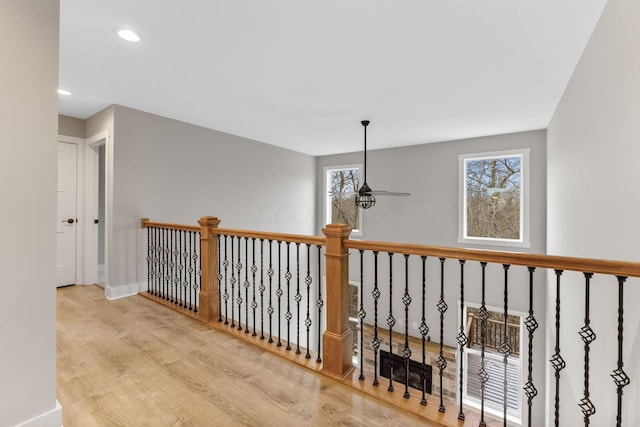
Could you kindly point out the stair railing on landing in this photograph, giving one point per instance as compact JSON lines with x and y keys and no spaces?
{"x":264,"y":286}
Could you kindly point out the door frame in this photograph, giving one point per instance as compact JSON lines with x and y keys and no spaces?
{"x":90,"y":205}
{"x":79,"y":142}
{"x":87,"y":204}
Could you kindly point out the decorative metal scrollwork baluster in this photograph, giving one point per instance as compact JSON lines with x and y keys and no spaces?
{"x":165,"y":263}
{"x":531,"y":324}
{"x":226,"y":292}
{"x":361,"y":315}
{"x":219,"y":281}
{"x":557,"y":362}
{"x":170,"y":266}
{"x":270,"y":274}
{"x":307,"y":320}
{"x":319,"y":303}
{"x":233,"y":283}
{"x":187,"y":272}
{"x":588,"y":336}
{"x":279,"y":293}
{"x":148,"y":259}
{"x":375,"y":343}
{"x":391,"y":321}
{"x":239,"y":298}
{"x":505,"y":346}
{"x":254,"y":270}
{"x":246,"y":288}
{"x":406,"y":351}
{"x":462,"y":339}
{"x":247,"y":284}
{"x":620,"y":378}
{"x":442,"y":308}
{"x":177,"y":283}
{"x":298,"y":298}
{"x":288,"y":314}
{"x":424,"y":331}
{"x":197,"y":272}
{"x":262,"y":288}
{"x":176,"y":257}
{"x":483,"y":314}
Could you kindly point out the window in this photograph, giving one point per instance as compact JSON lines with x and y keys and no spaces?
{"x":494,"y":333}
{"x":342,"y":184}
{"x":494,"y":198}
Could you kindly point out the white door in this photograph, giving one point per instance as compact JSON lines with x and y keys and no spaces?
{"x":66,"y":249}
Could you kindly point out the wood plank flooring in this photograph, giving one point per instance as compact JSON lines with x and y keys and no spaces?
{"x":132,"y":362}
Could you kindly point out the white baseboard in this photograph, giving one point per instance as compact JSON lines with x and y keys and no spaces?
{"x":117,"y":292}
{"x":52,"y":418}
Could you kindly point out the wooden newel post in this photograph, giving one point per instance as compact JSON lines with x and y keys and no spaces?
{"x":337,"y":339}
{"x":209,"y":295}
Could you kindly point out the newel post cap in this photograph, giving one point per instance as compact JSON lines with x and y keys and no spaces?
{"x":209,"y":221}
{"x":337,"y":230}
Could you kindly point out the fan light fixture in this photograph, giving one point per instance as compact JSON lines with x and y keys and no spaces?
{"x":365,"y":199}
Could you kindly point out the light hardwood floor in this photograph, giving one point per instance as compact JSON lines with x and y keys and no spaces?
{"x":132,"y":362}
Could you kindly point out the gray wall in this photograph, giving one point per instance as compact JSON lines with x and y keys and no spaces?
{"x":175,"y":172}
{"x":430,"y":173}
{"x":593,"y":204}
{"x":29,"y":72}
{"x":71,"y":126}
{"x":430,"y":217}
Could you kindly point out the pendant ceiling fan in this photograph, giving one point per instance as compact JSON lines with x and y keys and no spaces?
{"x":365,"y":198}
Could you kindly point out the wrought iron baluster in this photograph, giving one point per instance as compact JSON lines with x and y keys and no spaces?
{"x":191,"y":270}
{"x":197,"y":272}
{"x":531,"y":324}
{"x":483,"y":313}
{"x":170,"y":265}
{"x":288,"y":315}
{"x":442,"y":308}
{"x":424,"y":330}
{"x":219,"y":281}
{"x":270,"y":274}
{"x":239,"y":298}
{"x":246,"y":284}
{"x":620,"y":378}
{"x":279,"y":292}
{"x":185,"y":279}
{"x":319,"y":303}
{"x":557,"y":361}
{"x":149,"y":253}
{"x":390,"y":322}
{"x":163,"y":293}
{"x":406,"y":351}
{"x":233,"y":282}
{"x":254,"y":270}
{"x":226,"y":292}
{"x":308,"y":281}
{"x":462,"y":339}
{"x":361,"y":315}
{"x":298,"y":298}
{"x":177,"y":281}
{"x":588,"y":336}
{"x":262,"y":289}
{"x":375,"y":343}
{"x":505,"y":346}
{"x":176,"y":257}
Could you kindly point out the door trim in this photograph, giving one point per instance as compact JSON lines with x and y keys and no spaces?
{"x":90,"y":206}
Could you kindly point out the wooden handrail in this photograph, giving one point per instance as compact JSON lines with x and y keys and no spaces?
{"x":293,"y":238}
{"x":145,"y":223}
{"x":616,"y":268}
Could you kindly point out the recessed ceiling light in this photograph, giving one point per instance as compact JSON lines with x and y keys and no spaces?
{"x":128,"y":35}
{"x":64,"y":92}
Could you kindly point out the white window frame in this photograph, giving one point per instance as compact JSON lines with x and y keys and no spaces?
{"x":524,"y":241}
{"x":327,"y":197}
{"x":513,"y":419}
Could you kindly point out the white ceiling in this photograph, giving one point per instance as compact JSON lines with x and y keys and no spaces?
{"x":301,"y":74}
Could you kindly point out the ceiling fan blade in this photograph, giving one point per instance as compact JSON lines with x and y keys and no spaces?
{"x":343,"y":193}
{"x":388,"y":193}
